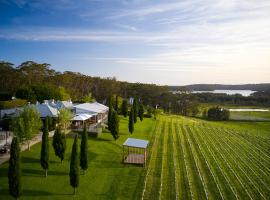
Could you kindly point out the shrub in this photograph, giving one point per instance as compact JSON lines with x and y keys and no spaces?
{"x":216,"y":113}
{"x":12,"y":103}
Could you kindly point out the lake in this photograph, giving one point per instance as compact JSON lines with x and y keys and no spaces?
{"x":245,"y":93}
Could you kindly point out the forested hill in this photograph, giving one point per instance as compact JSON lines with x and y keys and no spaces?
{"x":33,"y":82}
{"x":41,"y":78}
{"x":210,"y":87}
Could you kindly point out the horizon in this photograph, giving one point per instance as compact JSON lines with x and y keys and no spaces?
{"x":165,"y":43}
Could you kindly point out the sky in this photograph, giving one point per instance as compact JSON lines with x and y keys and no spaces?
{"x":164,"y":42}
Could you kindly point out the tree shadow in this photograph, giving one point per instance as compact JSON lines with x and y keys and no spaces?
{"x":98,"y":139}
{"x":28,"y":192}
{"x":57,"y":173}
{"x":3,"y":172}
{"x":36,"y":193}
{"x":29,"y":160}
{"x":40,"y":173}
{"x":32,"y":172}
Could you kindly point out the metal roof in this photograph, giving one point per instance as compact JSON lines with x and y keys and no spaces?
{"x":132,"y":142}
{"x":81,"y":117}
{"x":46,"y":110}
{"x":92,"y":107}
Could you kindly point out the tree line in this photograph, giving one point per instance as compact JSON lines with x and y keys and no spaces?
{"x":37,"y":82}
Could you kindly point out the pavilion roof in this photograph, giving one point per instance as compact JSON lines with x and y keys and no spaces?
{"x":138,"y":143}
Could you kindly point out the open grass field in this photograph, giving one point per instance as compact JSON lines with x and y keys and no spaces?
{"x":106,"y":178}
{"x":188,"y":158}
{"x":250,"y":116}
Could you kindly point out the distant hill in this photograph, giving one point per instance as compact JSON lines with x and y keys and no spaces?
{"x":210,"y":87}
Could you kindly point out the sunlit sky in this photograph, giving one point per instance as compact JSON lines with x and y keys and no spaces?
{"x":152,"y":41}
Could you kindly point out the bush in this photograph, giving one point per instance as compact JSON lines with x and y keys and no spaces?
{"x":5,"y":124}
{"x":147,"y":115}
{"x":12,"y":103}
{"x":5,"y":96}
{"x":216,"y":113}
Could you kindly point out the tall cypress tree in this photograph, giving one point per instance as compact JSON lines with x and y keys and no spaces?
{"x":116,"y":104}
{"x":131,"y":121}
{"x":14,"y":170}
{"x":44,"y":154}
{"x":114,"y":125}
{"x":124,"y":108}
{"x":141,"y":111}
{"x":84,"y":151}
{"x":135,"y":109}
{"x":110,"y":112}
{"x":59,"y":144}
{"x":74,"y":171}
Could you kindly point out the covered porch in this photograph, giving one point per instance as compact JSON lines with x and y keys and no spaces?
{"x":79,"y":121}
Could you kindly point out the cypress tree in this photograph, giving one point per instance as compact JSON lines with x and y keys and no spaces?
{"x":141,"y":111}
{"x":115,"y":125}
{"x":59,"y":144}
{"x":110,"y":112}
{"x":131,"y":121}
{"x":116,"y":104}
{"x":74,"y":166}
{"x":124,"y":108}
{"x":84,"y":150}
{"x":135,"y":109}
{"x":44,"y":154}
{"x":14,"y":170}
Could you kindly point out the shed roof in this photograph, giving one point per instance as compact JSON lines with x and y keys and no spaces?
{"x":138,"y":143}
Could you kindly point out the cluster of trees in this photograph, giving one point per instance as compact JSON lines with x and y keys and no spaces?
{"x":182,"y":104}
{"x":256,"y":99}
{"x":217,"y":113}
{"x":29,"y":74}
{"x":77,"y":160}
{"x":136,"y":110}
{"x":30,"y":77}
{"x":210,"y":87}
{"x":42,"y":92}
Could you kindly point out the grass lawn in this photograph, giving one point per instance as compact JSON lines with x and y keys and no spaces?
{"x":250,"y":116}
{"x":106,"y":178}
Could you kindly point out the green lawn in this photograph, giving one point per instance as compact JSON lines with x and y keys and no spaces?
{"x":250,"y":116}
{"x":106,"y":178}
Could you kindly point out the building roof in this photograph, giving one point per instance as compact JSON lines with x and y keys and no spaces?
{"x":46,"y":110}
{"x":64,"y":104}
{"x":60,"y":104}
{"x":81,"y":117}
{"x":92,"y":107}
{"x":138,"y":143}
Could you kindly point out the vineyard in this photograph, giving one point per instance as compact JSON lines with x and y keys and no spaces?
{"x":201,"y":161}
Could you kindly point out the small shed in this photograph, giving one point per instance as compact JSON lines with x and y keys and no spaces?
{"x":135,"y":151}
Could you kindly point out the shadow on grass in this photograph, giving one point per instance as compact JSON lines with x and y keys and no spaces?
{"x":28,"y":193}
{"x":29,"y":160}
{"x":3,"y":172}
{"x":98,"y":139}
{"x":40,"y":173}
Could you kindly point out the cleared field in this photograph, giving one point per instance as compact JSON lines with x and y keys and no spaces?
{"x":194,"y":160}
{"x":250,"y":116}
